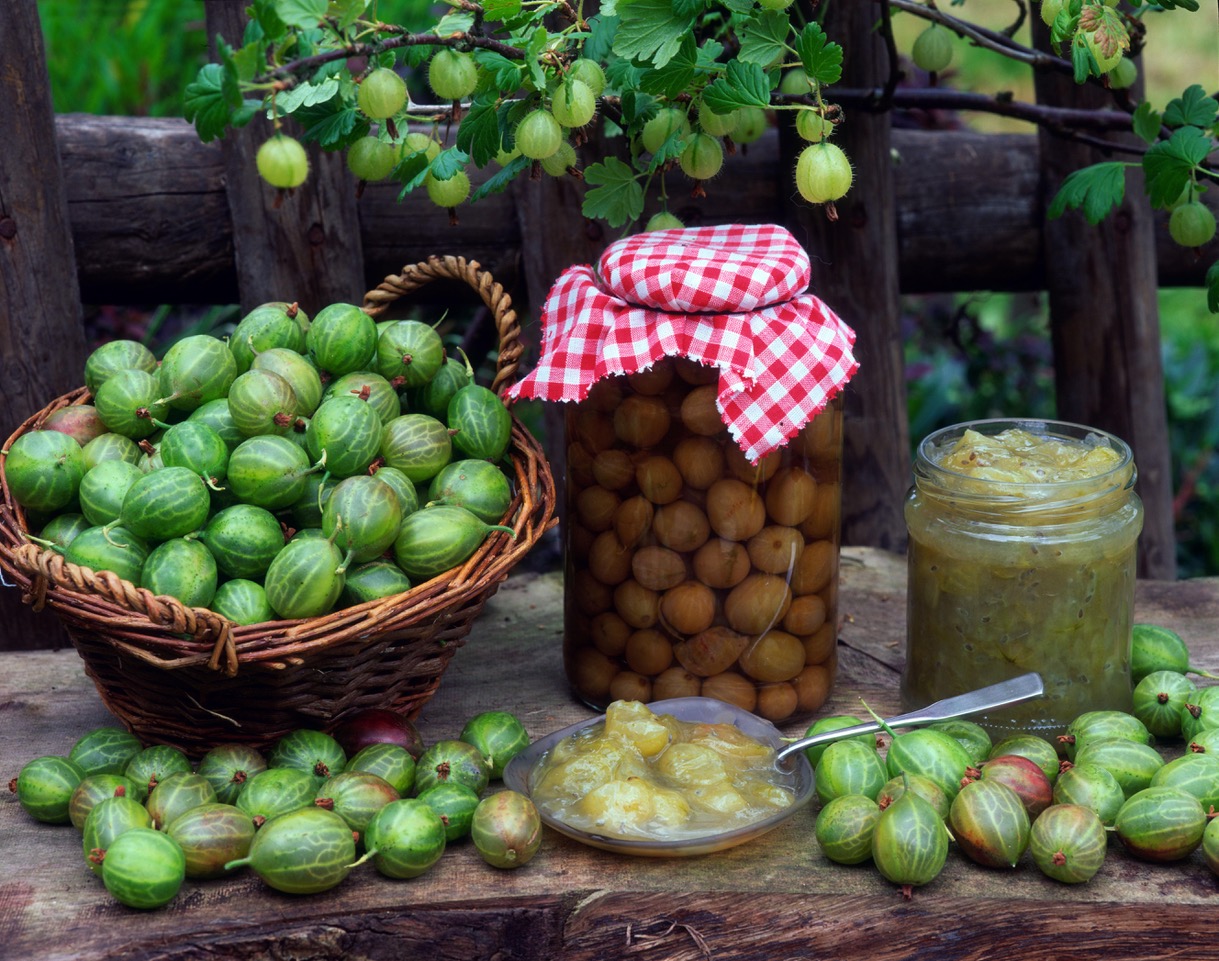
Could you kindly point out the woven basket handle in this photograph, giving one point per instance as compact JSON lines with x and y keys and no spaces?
{"x":414,"y":276}
{"x":45,"y":567}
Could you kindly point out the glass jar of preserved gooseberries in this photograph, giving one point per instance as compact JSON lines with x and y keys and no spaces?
{"x":1022,"y":558}
{"x":689,"y":569}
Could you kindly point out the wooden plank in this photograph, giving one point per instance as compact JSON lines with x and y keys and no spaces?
{"x":42,"y":342}
{"x":855,"y":271}
{"x":776,"y":897}
{"x":1104,"y":320}
{"x":150,"y":221}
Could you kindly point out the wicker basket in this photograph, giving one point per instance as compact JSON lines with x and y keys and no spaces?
{"x":189,"y":678}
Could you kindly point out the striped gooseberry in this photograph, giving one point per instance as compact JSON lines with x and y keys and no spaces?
{"x":450,"y":192}
{"x":702,"y":157}
{"x":668,"y":121}
{"x":1192,"y":224}
{"x":588,"y":72}
{"x":823,"y":173}
{"x":452,"y":74}
{"x":559,"y":162}
{"x":538,"y":135}
{"x":573,"y":103}
{"x":371,"y":159}
{"x":932,"y":49}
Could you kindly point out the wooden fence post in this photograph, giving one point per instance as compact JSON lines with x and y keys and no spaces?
{"x":1105,"y":320}
{"x":855,"y":271}
{"x":42,"y":342}
{"x":307,"y":249}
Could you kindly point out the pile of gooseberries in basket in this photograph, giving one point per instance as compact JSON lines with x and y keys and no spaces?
{"x":1058,"y":800}
{"x":294,"y":468}
{"x":301,"y":816}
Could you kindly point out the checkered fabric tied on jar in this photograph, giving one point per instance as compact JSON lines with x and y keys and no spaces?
{"x":733,"y":297}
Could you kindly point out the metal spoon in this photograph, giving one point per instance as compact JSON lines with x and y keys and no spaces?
{"x":1004,"y":694}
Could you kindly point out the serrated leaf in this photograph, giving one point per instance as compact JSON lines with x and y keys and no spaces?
{"x":1097,"y":189}
{"x":650,"y":31}
{"x":1168,"y":164}
{"x":501,"y":9}
{"x":621,"y":74}
{"x":459,"y":21}
{"x":332,"y":123}
{"x":230,"y":85}
{"x":346,"y":12}
{"x":539,"y":40}
{"x":742,"y":85}
{"x":708,"y":53}
{"x":266,"y":19}
{"x":204,"y":103}
{"x":479,"y":134}
{"x":668,"y":151}
{"x":301,"y":13}
{"x":499,"y":181}
{"x":616,"y":197}
{"x":600,"y":40}
{"x":764,"y":37}
{"x":306,"y":95}
{"x":691,"y":8}
{"x":673,"y":78}
{"x":448,"y":162}
{"x":1212,"y":288}
{"x":1192,"y":108}
{"x":637,"y":108}
{"x":411,"y":171}
{"x":417,"y":55}
{"x":506,"y":74}
{"x":1146,"y":122}
{"x":821,"y":57}
{"x":249,"y":60}
{"x":742,"y":8}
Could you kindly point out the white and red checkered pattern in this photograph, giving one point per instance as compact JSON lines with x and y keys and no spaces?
{"x":781,"y":359}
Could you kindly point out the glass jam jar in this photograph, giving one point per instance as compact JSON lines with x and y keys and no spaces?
{"x":689,"y":570}
{"x":1022,"y":558}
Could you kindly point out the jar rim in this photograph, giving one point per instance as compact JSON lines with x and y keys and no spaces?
{"x":1121,"y":476}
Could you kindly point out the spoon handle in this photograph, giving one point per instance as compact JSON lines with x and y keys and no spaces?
{"x":1004,"y":694}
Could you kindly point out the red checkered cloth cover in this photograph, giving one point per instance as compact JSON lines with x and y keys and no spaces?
{"x":726,"y":296}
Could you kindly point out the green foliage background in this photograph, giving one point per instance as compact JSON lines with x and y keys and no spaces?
{"x":967,"y":356}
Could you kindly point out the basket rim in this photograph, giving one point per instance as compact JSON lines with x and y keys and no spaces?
{"x":152,"y":625}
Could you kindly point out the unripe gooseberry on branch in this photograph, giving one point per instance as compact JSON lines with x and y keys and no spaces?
{"x":588,"y":72}
{"x":1192,"y":224}
{"x":282,"y":162}
{"x":448,"y":193}
{"x":381,"y":94}
{"x":452,"y":75}
{"x":371,"y":159}
{"x":932,"y":49}
{"x":573,"y":103}
{"x":538,"y":135}
{"x":823,"y":173}
{"x":702,"y":157}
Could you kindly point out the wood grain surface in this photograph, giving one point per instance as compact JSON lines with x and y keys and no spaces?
{"x":772,"y":899}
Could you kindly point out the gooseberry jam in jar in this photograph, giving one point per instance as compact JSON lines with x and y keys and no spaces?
{"x":1022,"y":538}
{"x":691,"y":571}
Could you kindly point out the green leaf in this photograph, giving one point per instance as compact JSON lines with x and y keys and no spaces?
{"x":621,"y":74}
{"x":448,"y":162}
{"x":1167,"y":165}
{"x":501,"y":9}
{"x":1097,"y":189}
{"x":1192,"y":108}
{"x":538,"y":42}
{"x":637,"y":108}
{"x":673,"y":78}
{"x":204,"y":103}
{"x":822,"y":58}
{"x":264,"y":16}
{"x":505,"y":73}
{"x":1083,"y":62}
{"x":764,"y":38}
{"x":650,"y":30}
{"x":616,"y":197}
{"x":1146,"y":122}
{"x":301,"y":13}
{"x":601,"y":41}
{"x":691,"y":8}
{"x":411,"y":171}
{"x":459,"y":21}
{"x":499,"y":181}
{"x":347,"y":12}
{"x":670,"y":150}
{"x":742,"y":85}
{"x":1212,"y":288}
{"x":250,"y":60}
{"x":306,"y":95}
{"x":479,"y":134}
{"x":332,"y":123}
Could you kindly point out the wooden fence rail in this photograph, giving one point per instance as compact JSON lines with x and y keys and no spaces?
{"x":135,"y":210}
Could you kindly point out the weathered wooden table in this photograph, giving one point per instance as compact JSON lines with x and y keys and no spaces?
{"x":775,"y":898}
